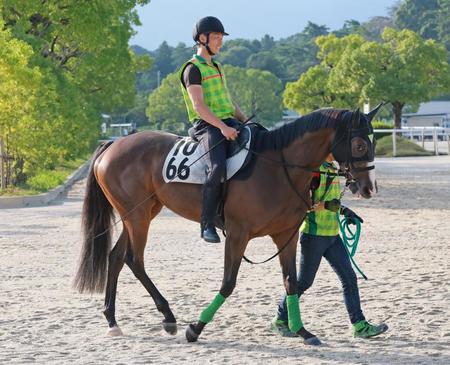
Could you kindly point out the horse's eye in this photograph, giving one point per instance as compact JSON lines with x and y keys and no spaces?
{"x":359,"y":147}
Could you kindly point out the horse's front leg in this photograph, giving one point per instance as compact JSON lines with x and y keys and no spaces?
{"x":289,"y":270}
{"x":235,"y":245}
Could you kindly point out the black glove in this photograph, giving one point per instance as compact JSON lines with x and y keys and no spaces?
{"x":333,"y":205}
{"x":351,"y":215}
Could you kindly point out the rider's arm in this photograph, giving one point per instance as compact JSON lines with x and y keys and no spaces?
{"x":238,"y":114}
{"x":196,"y":95}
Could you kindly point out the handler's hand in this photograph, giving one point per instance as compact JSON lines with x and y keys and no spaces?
{"x":317,"y":207}
{"x":351,"y":215}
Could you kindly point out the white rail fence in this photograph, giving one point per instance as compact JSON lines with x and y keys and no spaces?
{"x":433,"y":139}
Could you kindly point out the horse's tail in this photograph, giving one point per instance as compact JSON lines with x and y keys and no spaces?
{"x":96,"y":222}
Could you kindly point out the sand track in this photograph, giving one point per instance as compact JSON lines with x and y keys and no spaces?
{"x":404,"y":251}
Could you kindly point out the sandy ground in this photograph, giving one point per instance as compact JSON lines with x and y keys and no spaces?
{"x":404,"y":251}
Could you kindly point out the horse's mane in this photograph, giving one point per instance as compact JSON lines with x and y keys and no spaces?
{"x":281,"y":137}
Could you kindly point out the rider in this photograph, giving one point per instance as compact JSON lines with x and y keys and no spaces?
{"x":320,"y":238}
{"x":212,"y":113}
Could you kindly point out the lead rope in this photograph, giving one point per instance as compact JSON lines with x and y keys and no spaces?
{"x":350,"y":239}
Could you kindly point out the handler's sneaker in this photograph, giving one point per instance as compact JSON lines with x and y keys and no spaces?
{"x":281,"y":328}
{"x":364,"y":329}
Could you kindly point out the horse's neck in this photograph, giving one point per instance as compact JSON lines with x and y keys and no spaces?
{"x":311,"y":149}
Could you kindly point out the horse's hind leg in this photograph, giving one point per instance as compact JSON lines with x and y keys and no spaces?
{"x":135,"y":261}
{"x":115,"y":265}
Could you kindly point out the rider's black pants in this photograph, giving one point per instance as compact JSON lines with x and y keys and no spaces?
{"x":210,"y":136}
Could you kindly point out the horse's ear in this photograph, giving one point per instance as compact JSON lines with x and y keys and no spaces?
{"x":374,"y":112}
{"x":355,"y":118}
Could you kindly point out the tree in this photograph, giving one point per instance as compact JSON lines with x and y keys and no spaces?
{"x":419,"y":16}
{"x":403,"y":69}
{"x":166,"y":108}
{"x":236,"y":56}
{"x":256,"y":92}
{"x":81,"y":56}
{"x":312,"y":91}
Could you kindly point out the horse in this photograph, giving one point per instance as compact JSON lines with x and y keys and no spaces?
{"x":126,"y":176}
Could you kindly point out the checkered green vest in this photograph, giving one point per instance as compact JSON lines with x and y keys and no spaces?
{"x":215,"y":92}
{"x":324,"y":222}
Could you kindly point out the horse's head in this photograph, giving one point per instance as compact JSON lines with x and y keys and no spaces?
{"x":354,"y":148}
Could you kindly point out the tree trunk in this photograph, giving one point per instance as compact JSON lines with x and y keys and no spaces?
{"x":397,"y":108}
{"x":2,"y":169}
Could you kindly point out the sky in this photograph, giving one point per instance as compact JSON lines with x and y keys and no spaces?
{"x":173,"y":20}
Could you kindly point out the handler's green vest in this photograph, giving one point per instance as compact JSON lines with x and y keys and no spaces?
{"x":324,"y":222}
{"x":215,"y":92}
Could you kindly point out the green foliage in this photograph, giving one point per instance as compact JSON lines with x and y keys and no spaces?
{"x":404,"y":148}
{"x":378,"y":124}
{"x":256,"y":92}
{"x":419,"y":16}
{"x":402,"y":69}
{"x":430,"y":19}
{"x":166,"y":108}
{"x":61,"y":65}
{"x":46,"y":180}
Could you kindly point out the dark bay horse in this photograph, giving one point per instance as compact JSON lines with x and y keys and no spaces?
{"x":126,"y":176}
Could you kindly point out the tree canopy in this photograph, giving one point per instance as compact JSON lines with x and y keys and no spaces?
{"x":401,"y":69}
{"x":70,"y":62}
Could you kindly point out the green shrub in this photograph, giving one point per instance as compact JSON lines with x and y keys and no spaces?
{"x":46,"y":180}
{"x":379,"y":124}
{"x":404,"y":147}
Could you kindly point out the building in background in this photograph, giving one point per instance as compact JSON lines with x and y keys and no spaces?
{"x":431,"y":114}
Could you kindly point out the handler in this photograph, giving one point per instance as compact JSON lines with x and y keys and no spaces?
{"x":320,"y":238}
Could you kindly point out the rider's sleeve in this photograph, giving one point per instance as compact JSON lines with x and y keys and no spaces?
{"x":191,"y":76}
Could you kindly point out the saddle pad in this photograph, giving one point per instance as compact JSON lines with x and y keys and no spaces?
{"x":184,"y":163}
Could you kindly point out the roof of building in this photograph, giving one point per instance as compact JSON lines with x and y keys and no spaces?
{"x":431,"y":108}
{"x":434,"y":107}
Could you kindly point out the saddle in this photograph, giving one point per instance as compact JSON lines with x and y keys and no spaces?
{"x":186,"y":162}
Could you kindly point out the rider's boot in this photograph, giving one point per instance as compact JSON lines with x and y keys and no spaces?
{"x":209,"y":233}
{"x":211,"y":196}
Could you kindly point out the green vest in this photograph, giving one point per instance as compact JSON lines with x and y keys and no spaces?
{"x":215,"y":92}
{"x":324,"y":222}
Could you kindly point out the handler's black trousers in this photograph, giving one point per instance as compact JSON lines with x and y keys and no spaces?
{"x":210,"y":136}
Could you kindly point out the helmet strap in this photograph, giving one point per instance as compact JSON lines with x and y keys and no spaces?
{"x":206,"y":45}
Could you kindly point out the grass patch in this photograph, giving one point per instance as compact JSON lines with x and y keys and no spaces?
{"x":404,"y":148}
{"x":45,"y":180}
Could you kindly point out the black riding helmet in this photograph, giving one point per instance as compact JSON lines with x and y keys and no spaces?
{"x":206,"y":25}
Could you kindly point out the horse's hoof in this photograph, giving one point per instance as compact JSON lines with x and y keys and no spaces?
{"x":312,"y":341}
{"x":170,"y":328}
{"x":115,"y":331}
{"x":191,"y":335}
{"x":308,"y":337}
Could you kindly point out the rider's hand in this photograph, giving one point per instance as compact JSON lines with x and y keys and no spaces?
{"x":229,"y":132}
{"x":351,"y":215}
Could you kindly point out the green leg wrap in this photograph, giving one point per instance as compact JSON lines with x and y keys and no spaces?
{"x":208,"y":314}
{"x":294,"y":319}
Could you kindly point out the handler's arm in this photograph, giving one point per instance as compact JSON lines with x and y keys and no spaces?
{"x":196,"y":95}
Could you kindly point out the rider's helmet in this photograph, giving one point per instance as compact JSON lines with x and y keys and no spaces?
{"x":207,"y":25}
